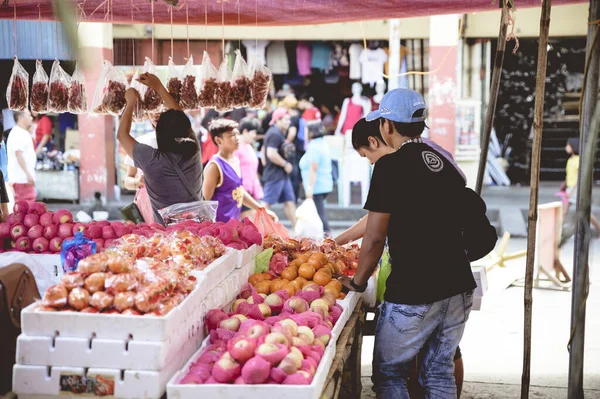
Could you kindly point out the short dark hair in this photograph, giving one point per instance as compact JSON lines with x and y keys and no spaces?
{"x":315,"y":129}
{"x":249,"y":124}
{"x":174,"y":134}
{"x":17,"y":115}
{"x":220,"y":126}
{"x":413,"y":129}
{"x":573,"y":142}
{"x":363,"y":130}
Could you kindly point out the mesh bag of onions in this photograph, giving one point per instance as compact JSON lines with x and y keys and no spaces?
{"x":240,"y":83}
{"x":138,"y":110}
{"x":189,"y":94}
{"x":223,"y":99}
{"x":109,"y":98}
{"x":261,"y":81}
{"x":174,"y":82}
{"x":60,"y":82}
{"x":17,"y":92}
{"x":77,"y":92}
{"x":151,"y":100}
{"x":39,"y":89}
{"x":208,"y":82}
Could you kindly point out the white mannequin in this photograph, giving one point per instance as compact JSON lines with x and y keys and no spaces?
{"x":357,"y":98}
{"x":379,"y":91}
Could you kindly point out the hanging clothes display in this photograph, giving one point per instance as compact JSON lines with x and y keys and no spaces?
{"x":256,"y":48}
{"x":304,"y":58}
{"x":354,"y":52}
{"x":321,"y":56}
{"x":372,"y":63}
{"x":277,"y":60}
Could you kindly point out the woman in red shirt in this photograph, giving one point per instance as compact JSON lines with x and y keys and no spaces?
{"x":43,"y":132}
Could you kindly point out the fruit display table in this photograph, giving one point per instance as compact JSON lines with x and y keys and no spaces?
{"x":344,"y":378}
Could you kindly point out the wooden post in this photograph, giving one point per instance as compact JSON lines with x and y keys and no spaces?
{"x":589,"y":136}
{"x":538,"y":124}
{"x":495,"y":87}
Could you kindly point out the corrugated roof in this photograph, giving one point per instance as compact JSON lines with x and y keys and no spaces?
{"x":29,"y":46}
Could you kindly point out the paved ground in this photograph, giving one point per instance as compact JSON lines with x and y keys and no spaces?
{"x":492,"y":344}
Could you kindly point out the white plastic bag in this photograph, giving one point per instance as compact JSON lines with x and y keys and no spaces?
{"x":309,"y":222}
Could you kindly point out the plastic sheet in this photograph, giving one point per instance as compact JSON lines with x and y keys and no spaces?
{"x":17,"y":92}
{"x":39,"y":89}
{"x":58,"y":96}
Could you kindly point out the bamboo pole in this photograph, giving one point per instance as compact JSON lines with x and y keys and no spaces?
{"x":538,"y":125}
{"x":589,"y":126}
{"x":494,"y":88}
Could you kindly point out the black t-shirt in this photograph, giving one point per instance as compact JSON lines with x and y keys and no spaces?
{"x":274,"y":139}
{"x":421,"y":190}
{"x":3,"y":194}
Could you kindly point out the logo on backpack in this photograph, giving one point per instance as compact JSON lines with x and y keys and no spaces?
{"x":432,"y":161}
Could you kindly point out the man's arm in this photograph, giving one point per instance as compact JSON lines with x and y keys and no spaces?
{"x":125,"y":139}
{"x":212,"y":177}
{"x":131,"y":182}
{"x":312,"y":179}
{"x":43,"y":143}
{"x":372,"y":246}
{"x":292,"y":132}
{"x":23,"y":165}
{"x":353,"y":233}
{"x":278,"y":160}
{"x":251,"y":203}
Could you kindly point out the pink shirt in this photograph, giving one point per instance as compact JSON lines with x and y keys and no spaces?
{"x":303,"y":58}
{"x":249,"y":168}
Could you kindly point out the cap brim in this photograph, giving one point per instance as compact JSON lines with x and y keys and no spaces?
{"x":371,"y":116}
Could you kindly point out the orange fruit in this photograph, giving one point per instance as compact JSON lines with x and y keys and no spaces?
{"x":303,"y":258}
{"x":302,"y":281}
{"x":276,"y":285}
{"x":331,"y":290}
{"x":289,"y":273}
{"x":263,"y":287}
{"x":306,"y":271}
{"x":335,"y":283}
{"x":297,"y":284}
{"x":322,"y":278}
{"x":295,"y":264}
{"x":268,"y":276}
{"x":329,"y":267}
{"x":290,"y":288}
{"x":317,"y":260}
{"x":342,"y":296}
{"x":327,"y":270}
{"x":256,"y":278}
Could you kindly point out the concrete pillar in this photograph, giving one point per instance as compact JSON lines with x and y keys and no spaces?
{"x":97,"y":137}
{"x":443,"y":90}
{"x":394,"y":57}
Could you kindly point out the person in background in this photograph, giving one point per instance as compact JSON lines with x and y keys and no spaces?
{"x":222,"y":176}
{"x":277,"y":183}
{"x":309,"y":111}
{"x":66,"y":121}
{"x":43,"y":132}
{"x":3,"y":156}
{"x":4,"y":199}
{"x":249,"y":162}
{"x":316,"y":170}
{"x":208,"y":147}
{"x":8,"y":122}
{"x":368,"y":142}
{"x":173,"y":171}
{"x":21,"y":158}
{"x":571,"y":179}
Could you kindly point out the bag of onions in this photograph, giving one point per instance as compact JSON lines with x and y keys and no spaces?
{"x":60,"y":82}
{"x":189,"y":94}
{"x":77,"y":92}
{"x":261,"y":82}
{"x":240,"y":82}
{"x":174,"y":82}
{"x":223,"y":99}
{"x":17,"y":92}
{"x":208,"y":82}
{"x":138,"y":110}
{"x":39,"y":89}
{"x":151,"y":100}
{"x":109,"y":98}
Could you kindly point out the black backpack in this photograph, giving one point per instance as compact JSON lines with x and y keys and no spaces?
{"x":479,"y":235}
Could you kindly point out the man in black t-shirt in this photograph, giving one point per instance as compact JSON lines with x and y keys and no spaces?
{"x":414,"y":201}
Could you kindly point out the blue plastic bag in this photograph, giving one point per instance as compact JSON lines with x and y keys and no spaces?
{"x":74,"y":250}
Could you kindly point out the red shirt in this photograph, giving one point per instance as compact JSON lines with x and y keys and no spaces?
{"x":311,"y":114}
{"x":44,"y":128}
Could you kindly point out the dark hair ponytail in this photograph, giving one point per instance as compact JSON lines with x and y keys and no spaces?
{"x":174,"y":134}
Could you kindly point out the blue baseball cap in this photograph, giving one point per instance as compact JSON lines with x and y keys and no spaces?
{"x":399,"y":105}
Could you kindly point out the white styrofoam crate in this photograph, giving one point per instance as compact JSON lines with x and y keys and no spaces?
{"x":260,"y":391}
{"x":248,"y":255}
{"x":216,"y":272}
{"x":477,"y":302}
{"x":480,"y":276}
{"x":41,"y":381}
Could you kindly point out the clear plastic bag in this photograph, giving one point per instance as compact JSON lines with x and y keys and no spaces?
{"x":309,"y":222}
{"x":174,"y":82}
{"x":39,"y":89}
{"x":78,"y":92}
{"x":189,"y":93}
{"x":261,"y":81}
{"x":223,"y":100}
{"x":60,"y":82}
{"x":151,"y":100}
{"x":109,"y":98}
{"x":208,"y":81}
{"x":17,"y":92}
{"x":241,"y":93}
{"x":138,"y":110}
{"x":200,"y":211}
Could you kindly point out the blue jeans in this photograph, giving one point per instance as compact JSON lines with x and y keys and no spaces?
{"x":432,"y":332}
